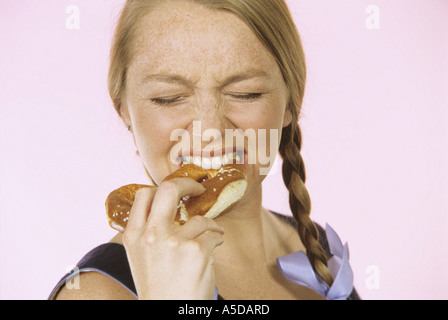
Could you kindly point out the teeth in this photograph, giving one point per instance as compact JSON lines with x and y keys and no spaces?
{"x":186,"y":159}
{"x":237,"y":158}
{"x":196,"y":161}
{"x":213,"y":162}
{"x":206,"y":163}
{"x":226,"y":159}
{"x":216,"y":163}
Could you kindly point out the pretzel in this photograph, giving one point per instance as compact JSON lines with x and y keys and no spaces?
{"x":223,"y":188}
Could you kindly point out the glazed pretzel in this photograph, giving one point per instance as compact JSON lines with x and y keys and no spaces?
{"x":223,"y":188}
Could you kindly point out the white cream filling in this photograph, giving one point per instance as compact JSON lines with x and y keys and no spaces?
{"x":183,"y":212}
{"x":233,"y":192}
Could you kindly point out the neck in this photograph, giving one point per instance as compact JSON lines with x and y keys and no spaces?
{"x":243,"y":230}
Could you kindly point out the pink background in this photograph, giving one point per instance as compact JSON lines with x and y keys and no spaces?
{"x":375,"y":128}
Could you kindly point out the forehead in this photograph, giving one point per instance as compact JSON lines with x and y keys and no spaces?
{"x":185,"y":37}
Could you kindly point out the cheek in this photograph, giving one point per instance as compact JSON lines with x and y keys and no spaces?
{"x":152,"y":132}
{"x":264,"y":122}
{"x":266,"y":115}
{"x":152,"y":139}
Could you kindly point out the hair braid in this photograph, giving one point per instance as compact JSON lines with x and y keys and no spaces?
{"x":294,"y":177}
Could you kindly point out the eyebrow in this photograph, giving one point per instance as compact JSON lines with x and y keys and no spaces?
{"x":168,"y":78}
{"x":177,"y":79}
{"x":250,"y":74}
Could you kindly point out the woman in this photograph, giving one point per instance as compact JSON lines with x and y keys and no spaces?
{"x":229,"y":64}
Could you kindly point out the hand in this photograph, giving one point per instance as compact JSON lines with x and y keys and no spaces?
{"x":170,"y":261}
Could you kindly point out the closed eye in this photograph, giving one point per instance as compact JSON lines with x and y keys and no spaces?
{"x":166,"y":101}
{"x":247,"y":97}
{"x":169,"y":101}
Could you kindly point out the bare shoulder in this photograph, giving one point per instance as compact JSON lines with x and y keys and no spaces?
{"x":95,"y":286}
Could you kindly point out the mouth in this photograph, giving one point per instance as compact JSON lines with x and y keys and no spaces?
{"x":215,"y":162}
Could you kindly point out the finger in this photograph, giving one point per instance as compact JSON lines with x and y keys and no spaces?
{"x":209,"y":240}
{"x":197,"y":225}
{"x":166,"y":199}
{"x":140,"y":208}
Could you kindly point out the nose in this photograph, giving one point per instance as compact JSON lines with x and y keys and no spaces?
{"x":209,"y":111}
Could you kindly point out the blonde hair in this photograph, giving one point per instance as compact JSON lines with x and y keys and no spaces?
{"x":272,"y":23}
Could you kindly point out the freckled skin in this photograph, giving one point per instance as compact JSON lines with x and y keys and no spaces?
{"x":205,"y":46}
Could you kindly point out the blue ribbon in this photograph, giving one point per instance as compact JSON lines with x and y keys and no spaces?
{"x":297,"y":268}
{"x":215,"y":295}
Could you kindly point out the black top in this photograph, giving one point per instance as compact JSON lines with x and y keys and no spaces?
{"x":110,"y":259}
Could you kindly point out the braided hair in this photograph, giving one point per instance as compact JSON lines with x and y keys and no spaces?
{"x":294,"y":177}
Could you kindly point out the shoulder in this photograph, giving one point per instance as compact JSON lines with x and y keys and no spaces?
{"x":322,"y":236}
{"x":103,"y":273}
{"x":94,"y":286}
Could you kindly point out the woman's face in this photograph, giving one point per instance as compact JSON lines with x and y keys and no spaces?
{"x":196,"y":64}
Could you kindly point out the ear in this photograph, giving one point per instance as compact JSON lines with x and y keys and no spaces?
{"x":124,"y":115}
{"x":287,"y":118}
{"x":126,"y":118}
